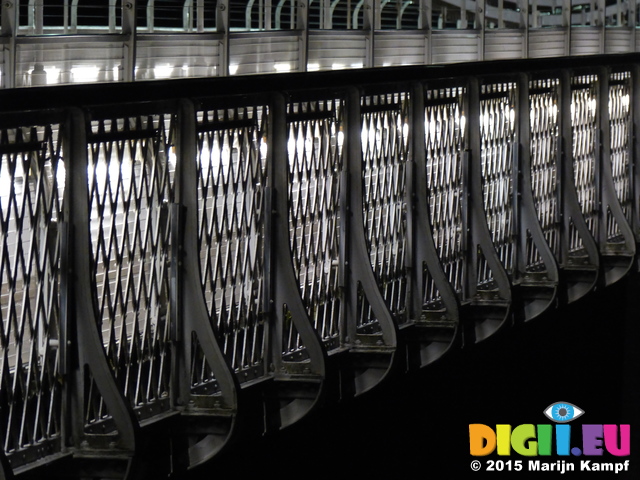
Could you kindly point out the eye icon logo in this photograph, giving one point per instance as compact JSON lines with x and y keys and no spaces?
{"x":563,"y":412}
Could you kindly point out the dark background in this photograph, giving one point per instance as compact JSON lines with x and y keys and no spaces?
{"x":416,"y":426}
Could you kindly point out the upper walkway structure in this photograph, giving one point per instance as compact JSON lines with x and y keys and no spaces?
{"x":185,"y":262}
{"x":80,"y":41}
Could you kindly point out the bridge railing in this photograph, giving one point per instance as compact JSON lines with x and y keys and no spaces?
{"x":83,"y":41}
{"x":188,"y":262}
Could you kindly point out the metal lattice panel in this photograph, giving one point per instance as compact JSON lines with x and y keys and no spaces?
{"x":445,"y":127}
{"x":620,"y":124}
{"x":498,"y":136}
{"x":545,"y":130}
{"x":584,"y":122}
{"x":384,"y":140}
{"x":32,"y":179}
{"x":314,"y":147}
{"x":131,"y":169}
{"x":231,"y":167}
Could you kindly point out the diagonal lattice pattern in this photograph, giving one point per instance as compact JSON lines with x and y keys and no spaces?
{"x":620,"y":125}
{"x":315,"y":140}
{"x":32,"y":179}
{"x":231,"y":180}
{"x":131,"y":169}
{"x":584,"y":123}
{"x":384,"y":137}
{"x":543,"y":148}
{"x":445,"y":127}
{"x":497,"y":137}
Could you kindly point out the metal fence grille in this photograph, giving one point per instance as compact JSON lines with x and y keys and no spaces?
{"x":620,"y":125}
{"x":315,"y":140}
{"x":545,"y":129}
{"x":498,"y":137}
{"x":584,"y":122}
{"x":131,"y":167}
{"x":231,"y":165}
{"x":32,"y":180}
{"x":445,"y":127}
{"x":384,"y":137}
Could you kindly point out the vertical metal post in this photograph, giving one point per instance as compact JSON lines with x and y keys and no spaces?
{"x":480,"y":26}
{"x":369,"y":14}
{"x":302,"y":25}
{"x":200,"y":15}
{"x":566,"y":24}
{"x":222,"y":27}
{"x":9,"y":29}
{"x":112,"y":16}
{"x":129,"y":31}
{"x":424,"y":14}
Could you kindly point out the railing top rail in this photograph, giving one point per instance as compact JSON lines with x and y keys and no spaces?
{"x":40,"y":98}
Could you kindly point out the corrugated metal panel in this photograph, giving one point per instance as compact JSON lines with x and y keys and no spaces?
{"x":336,"y":50}
{"x":546,"y":42}
{"x":396,"y":48}
{"x":266,"y":53}
{"x":617,"y":40}
{"x":454,"y":47}
{"x":503,"y":45}
{"x":177,"y":57}
{"x":49,"y":63}
{"x":585,"y":40}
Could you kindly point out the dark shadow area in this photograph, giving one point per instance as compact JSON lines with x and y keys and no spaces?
{"x":417,"y":425}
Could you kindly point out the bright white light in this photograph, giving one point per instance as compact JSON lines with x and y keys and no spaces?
{"x":625,"y":101}
{"x":405,"y":131}
{"x":61,"y":175}
{"x":263,"y":147}
{"x":282,"y":67}
{"x":162,"y":71}
{"x":233,"y":69}
{"x":357,"y":65}
{"x":172,"y":156}
{"x":313,"y":67}
{"x":53,"y":75}
{"x":116,"y":74}
{"x":337,"y":66}
{"x":340,"y":139}
{"x":512,"y":116}
{"x":88,"y":73}
{"x":5,"y":180}
{"x":386,"y":64}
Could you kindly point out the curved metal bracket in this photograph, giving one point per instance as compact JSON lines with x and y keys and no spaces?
{"x":537,"y":284}
{"x":83,"y":333}
{"x":617,"y":256}
{"x":299,"y":384}
{"x":436,"y":327}
{"x":491,"y":306}
{"x":580,"y":270}
{"x":210,"y":419}
{"x":372,"y":354}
